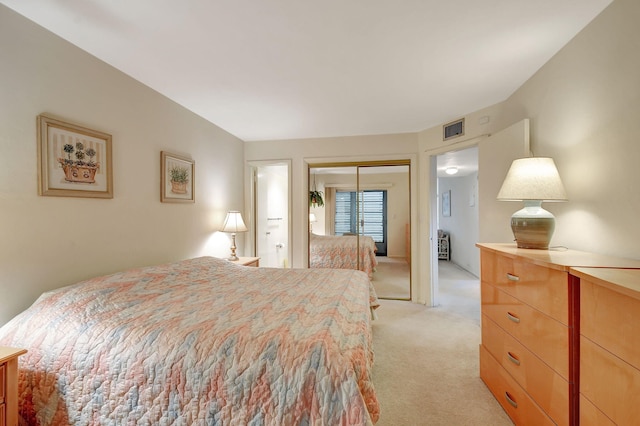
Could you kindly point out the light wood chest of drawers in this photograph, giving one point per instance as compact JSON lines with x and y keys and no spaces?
{"x":529,"y":355}
{"x":609,"y":346}
{"x":9,"y":385}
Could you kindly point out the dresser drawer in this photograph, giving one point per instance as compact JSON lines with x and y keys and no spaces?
{"x":545,"y":386}
{"x":610,"y":383}
{"x":3,"y":415}
{"x":515,"y":401}
{"x":611,"y":320}
{"x":590,"y":415}
{"x":543,"y":288}
{"x":541,"y":334}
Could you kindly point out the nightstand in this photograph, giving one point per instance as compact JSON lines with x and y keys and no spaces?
{"x":247,"y":261}
{"x":9,"y":385}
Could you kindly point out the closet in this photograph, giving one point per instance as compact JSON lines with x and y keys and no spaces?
{"x":368,"y":199}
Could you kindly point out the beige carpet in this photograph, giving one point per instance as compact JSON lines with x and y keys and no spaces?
{"x":426,"y":362}
{"x":391,"y":278}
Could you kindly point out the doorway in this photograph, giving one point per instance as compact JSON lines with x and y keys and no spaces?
{"x":456,"y":231}
{"x":372,"y":200}
{"x":272,"y":213}
{"x":494,"y":155}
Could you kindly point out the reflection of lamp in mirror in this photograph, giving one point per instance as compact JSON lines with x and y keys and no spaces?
{"x":233,"y":223}
{"x":533,"y":180}
{"x":312,"y":219}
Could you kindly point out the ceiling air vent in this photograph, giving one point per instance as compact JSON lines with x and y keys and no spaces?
{"x":453,"y":129}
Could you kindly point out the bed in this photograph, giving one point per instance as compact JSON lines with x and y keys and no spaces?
{"x":200,"y":341}
{"x":341,"y":252}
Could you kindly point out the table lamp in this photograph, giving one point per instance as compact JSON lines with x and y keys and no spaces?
{"x":233,"y":223}
{"x":533,"y":180}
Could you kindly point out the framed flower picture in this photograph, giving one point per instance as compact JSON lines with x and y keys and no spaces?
{"x":177,"y":176}
{"x":73,"y":161}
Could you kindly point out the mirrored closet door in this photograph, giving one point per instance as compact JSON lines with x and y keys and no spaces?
{"x":359,"y":218}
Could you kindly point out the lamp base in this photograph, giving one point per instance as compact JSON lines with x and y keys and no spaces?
{"x":233,"y":256}
{"x":533,"y":226}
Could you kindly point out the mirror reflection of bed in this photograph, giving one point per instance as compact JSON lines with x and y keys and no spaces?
{"x":363,"y":222}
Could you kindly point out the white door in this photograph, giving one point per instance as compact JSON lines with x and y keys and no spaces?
{"x":495,"y":155}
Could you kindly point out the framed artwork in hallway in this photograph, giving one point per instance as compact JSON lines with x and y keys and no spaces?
{"x":446,"y":203}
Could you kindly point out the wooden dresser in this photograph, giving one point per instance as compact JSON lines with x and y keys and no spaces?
{"x":9,"y":385}
{"x":530,"y":318}
{"x":609,"y":346}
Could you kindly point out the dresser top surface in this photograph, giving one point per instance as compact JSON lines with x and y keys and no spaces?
{"x":625,"y":281}
{"x":561,"y":258}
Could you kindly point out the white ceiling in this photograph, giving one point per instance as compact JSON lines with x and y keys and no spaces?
{"x":289,"y":69}
{"x":464,"y":160}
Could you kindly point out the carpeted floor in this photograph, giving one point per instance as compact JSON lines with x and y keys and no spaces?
{"x":391,"y":278}
{"x":426,"y":369}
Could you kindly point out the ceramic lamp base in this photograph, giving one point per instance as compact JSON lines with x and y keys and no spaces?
{"x":533,"y":226}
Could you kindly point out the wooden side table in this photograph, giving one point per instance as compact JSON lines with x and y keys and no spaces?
{"x":9,"y":385}
{"x":247,"y":261}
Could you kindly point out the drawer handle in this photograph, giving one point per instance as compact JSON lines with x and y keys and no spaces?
{"x":510,"y":400}
{"x":512,"y":277}
{"x":513,"y":317}
{"x":514,"y":359}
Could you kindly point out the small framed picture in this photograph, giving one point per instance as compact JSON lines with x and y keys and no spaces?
{"x":177,"y":175}
{"x":446,"y":203}
{"x":73,"y":161}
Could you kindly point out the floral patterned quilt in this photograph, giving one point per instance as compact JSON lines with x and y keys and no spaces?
{"x":201,"y":341}
{"x":341,"y":252}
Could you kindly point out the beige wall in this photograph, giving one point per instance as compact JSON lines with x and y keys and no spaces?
{"x":583,"y":107}
{"x":48,"y":242}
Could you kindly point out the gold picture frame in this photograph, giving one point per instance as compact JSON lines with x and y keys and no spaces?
{"x":177,"y":178}
{"x":73,"y":161}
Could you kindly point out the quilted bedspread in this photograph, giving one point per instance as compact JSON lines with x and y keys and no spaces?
{"x":202,"y":342}
{"x":341,"y":252}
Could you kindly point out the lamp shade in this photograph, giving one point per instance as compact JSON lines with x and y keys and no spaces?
{"x":534,"y":178}
{"x":312,"y":218}
{"x":234,"y":223}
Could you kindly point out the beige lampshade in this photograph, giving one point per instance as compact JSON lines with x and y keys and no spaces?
{"x":534,"y":178}
{"x":234,"y":223}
